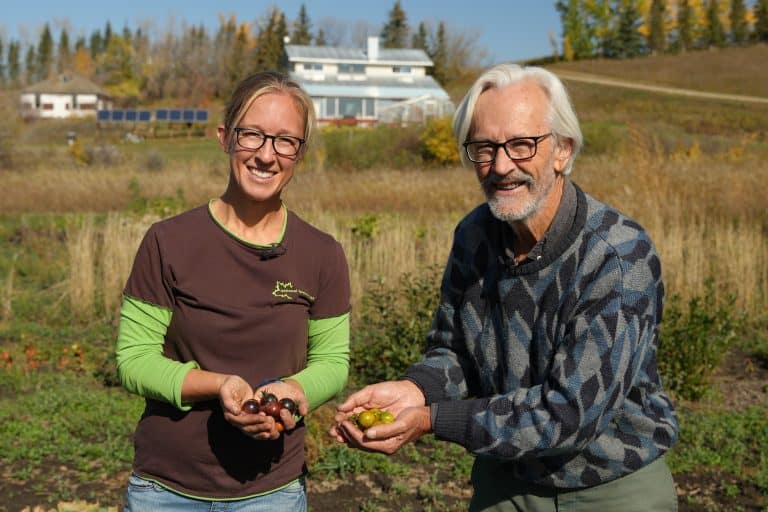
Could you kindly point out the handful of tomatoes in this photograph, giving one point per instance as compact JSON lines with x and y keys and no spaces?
{"x":367,"y":419}
{"x":271,"y":406}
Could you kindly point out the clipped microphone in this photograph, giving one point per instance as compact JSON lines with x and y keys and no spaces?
{"x":273,"y":251}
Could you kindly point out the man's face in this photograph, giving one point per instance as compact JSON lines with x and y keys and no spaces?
{"x":518,"y":190}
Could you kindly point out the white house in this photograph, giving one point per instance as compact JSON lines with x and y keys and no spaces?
{"x":65,"y":95}
{"x":365,"y":86}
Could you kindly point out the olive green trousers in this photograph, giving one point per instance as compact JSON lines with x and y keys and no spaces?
{"x":650,"y":489}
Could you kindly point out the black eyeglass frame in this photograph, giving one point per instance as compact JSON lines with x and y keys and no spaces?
{"x":497,"y":145}
{"x":239,"y":130}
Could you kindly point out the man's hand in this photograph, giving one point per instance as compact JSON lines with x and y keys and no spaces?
{"x":402,"y":398}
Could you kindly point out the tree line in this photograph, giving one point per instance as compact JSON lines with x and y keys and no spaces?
{"x":200,"y":65}
{"x":631,"y":28}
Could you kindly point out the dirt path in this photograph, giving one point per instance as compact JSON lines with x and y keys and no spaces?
{"x":613,"y":82}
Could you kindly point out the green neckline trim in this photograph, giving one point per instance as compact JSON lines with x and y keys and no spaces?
{"x":242,"y":240}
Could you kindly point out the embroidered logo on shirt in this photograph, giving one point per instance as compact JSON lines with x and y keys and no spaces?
{"x":288,"y":291}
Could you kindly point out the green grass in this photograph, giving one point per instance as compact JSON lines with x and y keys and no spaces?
{"x":732,"y":442}
{"x":63,"y":418}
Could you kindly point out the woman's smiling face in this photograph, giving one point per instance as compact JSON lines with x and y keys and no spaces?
{"x":262,"y":174}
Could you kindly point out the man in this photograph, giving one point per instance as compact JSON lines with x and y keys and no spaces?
{"x":541,"y":359}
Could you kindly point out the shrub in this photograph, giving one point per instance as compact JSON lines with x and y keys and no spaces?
{"x":438,"y":141}
{"x":693,"y":340}
{"x":394,"y":321}
{"x":358,"y":148}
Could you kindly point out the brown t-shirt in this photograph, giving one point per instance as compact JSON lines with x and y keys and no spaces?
{"x":236,"y":309}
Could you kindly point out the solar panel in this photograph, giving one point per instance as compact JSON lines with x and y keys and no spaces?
{"x":175,"y":115}
{"x":118,"y":115}
{"x":188,"y":115}
{"x":145,"y":116}
{"x":130,"y":115}
{"x":102,"y":115}
{"x":201,"y":116}
{"x":161,"y":114}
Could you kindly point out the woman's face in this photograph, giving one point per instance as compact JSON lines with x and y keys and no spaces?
{"x":261,"y":174}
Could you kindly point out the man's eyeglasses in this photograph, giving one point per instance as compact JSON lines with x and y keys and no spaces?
{"x":284,"y":145}
{"x":517,"y":148}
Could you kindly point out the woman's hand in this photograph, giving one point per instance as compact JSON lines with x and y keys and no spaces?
{"x":234,"y":392}
{"x":287,"y":389}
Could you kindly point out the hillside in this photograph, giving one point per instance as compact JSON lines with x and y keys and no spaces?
{"x":725,"y":70}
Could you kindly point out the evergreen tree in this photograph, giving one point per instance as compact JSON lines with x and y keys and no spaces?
{"x":628,"y":42}
{"x":657,"y":38}
{"x":715,"y":35}
{"x":601,"y":25}
{"x":760,"y":32}
{"x":439,"y":55}
{"x":127,"y":35}
{"x":30,"y":65}
{"x":320,"y":39}
{"x":738,"y":18}
{"x":44,"y":65}
{"x":270,"y":42}
{"x":301,"y":33}
{"x":2,"y":65}
{"x":107,"y":35}
{"x":420,"y":39}
{"x":577,"y":43}
{"x":684,"y":40}
{"x":14,"y":64}
{"x":63,"y":54}
{"x":395,"y":31}
{"x":96,"y":44}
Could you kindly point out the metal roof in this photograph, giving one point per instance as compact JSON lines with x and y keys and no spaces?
{"x":302,"y":53}
{"x":66,"y":83}
{"x":372,"y":87}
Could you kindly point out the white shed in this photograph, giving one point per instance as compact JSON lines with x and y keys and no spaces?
{"x":63,"y":96}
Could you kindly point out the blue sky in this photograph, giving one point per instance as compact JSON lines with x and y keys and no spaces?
{"x":507,"y":31}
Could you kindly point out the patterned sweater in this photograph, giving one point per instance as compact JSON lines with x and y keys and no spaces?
{"x":550,"y":365}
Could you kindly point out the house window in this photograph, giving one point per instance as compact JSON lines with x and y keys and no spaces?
{"x":330,"y":107}
{"x":47,"y":106}
{"x":87,"y":106}
{"x":368,"y":105}
{"x":352,"y":69}
{"x":350,"y":107}
{"x":313,"y":66}
{"x":401,"y":70}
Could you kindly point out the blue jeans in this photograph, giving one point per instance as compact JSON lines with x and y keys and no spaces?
{"x":146,"y":496}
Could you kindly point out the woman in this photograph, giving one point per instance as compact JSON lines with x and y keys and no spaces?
{"x":224,"y":302}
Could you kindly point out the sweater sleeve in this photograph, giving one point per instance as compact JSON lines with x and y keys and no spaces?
{"x":141,"y":365}
{"x":327,"y":360}
{"x":608,"y":335}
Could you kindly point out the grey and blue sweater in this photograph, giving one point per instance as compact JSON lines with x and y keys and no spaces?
{"x":550,"y":365}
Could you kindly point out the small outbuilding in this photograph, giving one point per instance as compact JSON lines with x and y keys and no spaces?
{"x":64,"y":96}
